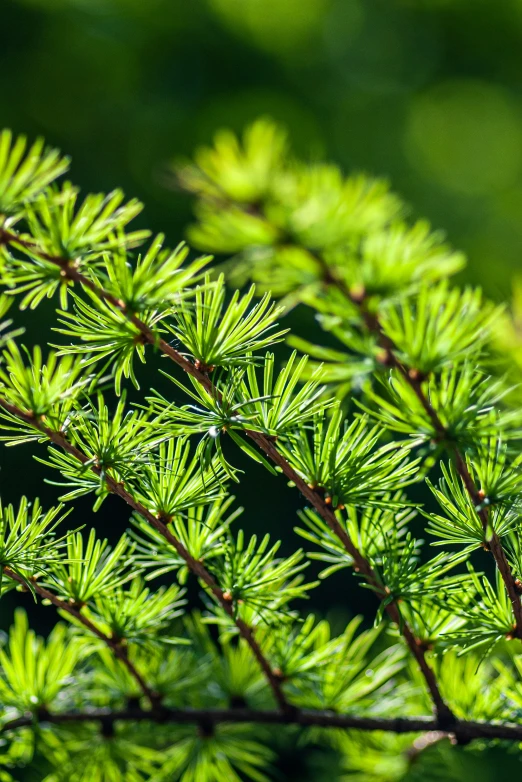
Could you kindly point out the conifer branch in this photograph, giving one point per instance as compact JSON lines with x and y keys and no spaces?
{"x":113,"y":644}
{"x":362,"y":566}
{"x":118,"y":488}
{"x":70,"y":272}
{"x":464,"y":730}
{"x":412,"y":378}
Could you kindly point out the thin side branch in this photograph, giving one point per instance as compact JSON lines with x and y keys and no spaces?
{"x":390,"y":359}
{"x":464,"y":730}
{"x":361,"y":566}
{"x":118,"y":650}
{"x":415,"y":383}
{"x":118,"y":488}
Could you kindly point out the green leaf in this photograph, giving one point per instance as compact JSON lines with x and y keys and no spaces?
{"x":156,"y":280}
{"x":24,"y":175}
{"x":464,"y":398}
{"x":341,"y":462}
{"x":202,"y":529}
{"x":104,"y":335}
{"x":116,"y":445}
{"x":92,"y":569}
{"x":28,"y":544}
{"x":46,"y":392}
{"x":464,"y":525}
{"x":34,"y":672}
{"x":241,"y":172}
{"x":252,"y":578}
{"x":488,"y":618}
{"x":280,"y":406}
{"x":219,"y":336}
{"x":439,"y":326}
{"x":61,"y":229}
{"x":137,"y":615}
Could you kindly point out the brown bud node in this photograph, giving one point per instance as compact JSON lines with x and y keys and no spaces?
{"x":357,"y":293}
{"x":383,"y":357}
{"x":202,"y":367}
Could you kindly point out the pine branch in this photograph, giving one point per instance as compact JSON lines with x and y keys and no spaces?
{"x":361,"y":566}
{"x":113,"y":644}
{"x":70,"y":272}
{"x":464,"y":730}
{"x":118,"y":488}
{"x":412,"y":378}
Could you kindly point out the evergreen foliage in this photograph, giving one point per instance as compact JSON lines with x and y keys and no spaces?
{"x":414,"y":381}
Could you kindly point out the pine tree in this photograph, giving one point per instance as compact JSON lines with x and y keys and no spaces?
{"x":416,"y":382}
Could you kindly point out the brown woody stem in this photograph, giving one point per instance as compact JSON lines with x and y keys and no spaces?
{"x":63,"y":605}
{"x":118,"y":488}
{"x":464,"y":730}
{"x":415,"y":383}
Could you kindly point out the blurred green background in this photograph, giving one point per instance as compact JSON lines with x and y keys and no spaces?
{"x":425,"y":92}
